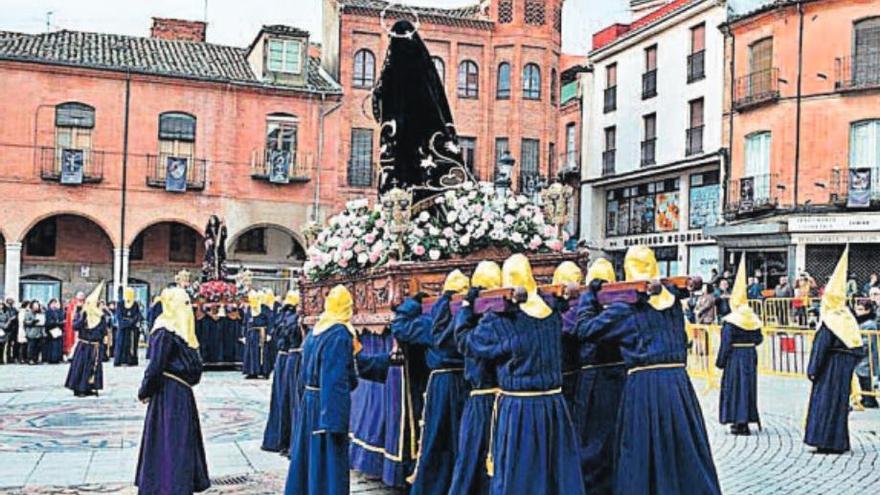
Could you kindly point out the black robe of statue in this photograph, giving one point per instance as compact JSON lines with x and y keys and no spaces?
{"x":419,"y":146}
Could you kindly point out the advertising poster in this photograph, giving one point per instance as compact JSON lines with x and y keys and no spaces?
{"x":668,"y":214}
{"x":747,"y":193}
{"x":704,"y":205}
{"x":71,"y":166}
{"x":175,"y":174}
{"x":701,"y":261}
{"x":642,"y":218}
{"x":611,"y":212}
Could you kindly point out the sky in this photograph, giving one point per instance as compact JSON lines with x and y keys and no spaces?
{"x":236,"y":22}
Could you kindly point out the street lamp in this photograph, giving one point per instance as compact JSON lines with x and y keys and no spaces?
{"x":503,"y":174}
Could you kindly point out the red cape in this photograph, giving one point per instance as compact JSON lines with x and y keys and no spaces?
{"x":69,"y":335}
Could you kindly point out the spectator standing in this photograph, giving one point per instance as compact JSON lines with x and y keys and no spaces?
{"x":783,"y":288}
{"x":852,"y":288}
{"x":803,"y":291}
{"x":52,"y":350}
{"x":35,"y":331}
{"x":866,"y":316}
{"x":705,"y":310}
{"x":21,"y":337}
{"x":756,"y":289}
{"x":5,"y":322}
{"x":873,"y":282}
{"x":722,"y":297}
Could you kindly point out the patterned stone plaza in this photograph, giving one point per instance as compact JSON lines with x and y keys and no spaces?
{"x":53,"y":443}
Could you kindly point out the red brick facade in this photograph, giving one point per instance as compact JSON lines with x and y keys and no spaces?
{"x":178,"y":29}
{"x":478,"y":36}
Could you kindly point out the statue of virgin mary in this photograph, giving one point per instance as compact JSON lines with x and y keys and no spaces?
{"x":419,"y":146}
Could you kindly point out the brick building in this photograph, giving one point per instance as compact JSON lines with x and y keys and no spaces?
{"x":89,"y":119}
{"x":499,"y":60}
{"x":802,"y":123}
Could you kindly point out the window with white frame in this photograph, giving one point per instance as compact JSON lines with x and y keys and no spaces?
{"x":757,"y":157}
{"x":864,"y":149}
{"x":285,"y":56}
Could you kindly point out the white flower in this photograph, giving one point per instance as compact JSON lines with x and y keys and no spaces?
{"x":434,"y":254}
{"x":443,"y":243}
{"x":363,"y":258}
{"x":516,"y":237}
{"x":465,"y":240}
{"x":451,"y":217}
{"x":424,"y":216}
{"x":448,"y":232}
{"x":511,"y":204}
{"x":467,"y":186}
{"x":509,"y":219}
{"x":347,"y":255}
{"x":433,"y":231}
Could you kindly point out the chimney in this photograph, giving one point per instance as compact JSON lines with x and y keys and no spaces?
{"x":178,"y":29}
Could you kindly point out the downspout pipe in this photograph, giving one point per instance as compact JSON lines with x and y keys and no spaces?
{"x":800,"y":73}
{"x":322,"y":116}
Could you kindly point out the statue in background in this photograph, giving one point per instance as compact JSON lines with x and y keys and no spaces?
{"x":214,"y":265}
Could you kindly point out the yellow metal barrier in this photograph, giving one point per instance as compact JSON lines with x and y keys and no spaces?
{"x":785,"y":351}
{"x":870,"y":366}
{"x":704,"y":341}
{"x":786,"y":311}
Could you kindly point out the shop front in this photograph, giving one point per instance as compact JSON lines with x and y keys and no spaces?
{"x":820,"y":240}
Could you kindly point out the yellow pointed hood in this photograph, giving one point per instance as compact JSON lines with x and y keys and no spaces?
{"x":268,"y":298}
{"x":292,"y":298}
{"x":128,"y":296}
{"x":517,"y":272}
{"x":338,"y":309}
{"x":567,"y":273}
{"x":601,"y":269}
{"x":90,"y":306}
{"x":255,"y":301}
{"x":177,"y":316}
{"x":640,"y":264}
{"x":487,"y":275}
{"x":741,"y":314}
{"x":456,"y":282}
{"x":833,"y":310}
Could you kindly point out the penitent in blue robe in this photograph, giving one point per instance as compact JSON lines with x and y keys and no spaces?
{"x":595,"y":402}
{"x":319,"y":462}
{"x":662,"y":444}
{"x":276,"y":435}
{"x":86,"y":373}
{"x":367,"y":451}
{"x":831,"y":370}
{"x":258,"y":360}
{"x":445,"y":393}
{"x":470,"y":476}
{"x":738,"y":400}
{"x":533,"y":442}
{"x":128,"y":335}
{"x":172,"y":456}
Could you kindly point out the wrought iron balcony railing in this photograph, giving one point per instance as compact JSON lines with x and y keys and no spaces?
{"x":750,"y":195}
{"x":608,"y":158}
{"x":610,"y":99}
{"x":649,"y":84}
{"x":71,"y":166}
{"x":158,"y":168}
{"x":694,"y":140}
{"x":281,"y":166}
{"x":531,"y":182}
{"x":649,"y":152}
{"x":756,"y":89}
{"x":857,"y":72}
{"x":696,"y":66}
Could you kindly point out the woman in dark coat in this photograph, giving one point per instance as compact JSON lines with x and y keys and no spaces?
{"x":446,"y":389}
{"x":599,"y":388}
{"x":837,"y":348}
{"x":53,"y":348}
{"x":86,"y":373}
{"x":258,"y":330}
{"x":276,"y":435}
{"x":319,"y":462}
{"x":470,"y":476}
{"x":533,"y":449}
{"x":172,"y":456}
{"x":738,"y":402}
{"x":128,"y":330}
{"x":662,"y":443}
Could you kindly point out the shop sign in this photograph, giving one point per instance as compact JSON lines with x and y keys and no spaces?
{"x":835,"y":223}
{"x":654,"y":239}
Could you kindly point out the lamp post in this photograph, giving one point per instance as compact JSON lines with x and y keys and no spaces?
{"x":503,"y":174}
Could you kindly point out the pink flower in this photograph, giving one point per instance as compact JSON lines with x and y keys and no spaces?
{"x":343,"y":263}
{"x":555,"y":245}
{"x":374,"y":257}
{"x":380,"y":223}
{"x":370,"y":238}
{"x":419,"y":250}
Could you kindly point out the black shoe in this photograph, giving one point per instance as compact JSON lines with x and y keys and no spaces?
{"x":742,"y":430}
{"x":822,"y":450}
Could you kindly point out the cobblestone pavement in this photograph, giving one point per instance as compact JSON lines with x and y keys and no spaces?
{"x":53,"y":443}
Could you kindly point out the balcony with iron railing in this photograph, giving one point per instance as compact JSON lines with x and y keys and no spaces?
{"x":694,"y":140}
{"x":281,"y":166}
{"x":157,"y":171}
{"x":649,"y":152}
{"x":649,"y":84}
{"x":569,"y":164}
{"x":752,"y":195}
{"x":856,"y":187}
{"x":71,"y":166}
{"x":610,"y":99}
{"x":608,"y":158}
{"x":696,"y":66}
{"x":857,"y":72}
{"x":757,"y":88}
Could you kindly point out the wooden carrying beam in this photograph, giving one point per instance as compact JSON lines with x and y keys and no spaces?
{"x":499,"y":300}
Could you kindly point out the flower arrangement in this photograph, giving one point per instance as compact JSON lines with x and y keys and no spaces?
{"x":217,"y":291}
{"x":461,"y":222}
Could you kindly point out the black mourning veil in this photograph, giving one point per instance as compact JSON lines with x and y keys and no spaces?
{"x":419,"y":146}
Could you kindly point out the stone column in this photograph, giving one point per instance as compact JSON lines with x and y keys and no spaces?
{"x":117,"y":271}
{"x":126,"y":253}
{"x":13,"y":269}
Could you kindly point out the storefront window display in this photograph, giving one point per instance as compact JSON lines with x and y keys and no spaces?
{"x":643,"y":209}
{"x":704,"y":200}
